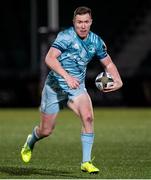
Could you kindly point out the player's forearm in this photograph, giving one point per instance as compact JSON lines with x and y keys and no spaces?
{"x":55,"y":65}
{"x":111,"y":68}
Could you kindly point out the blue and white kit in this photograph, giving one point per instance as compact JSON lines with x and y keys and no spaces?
{"x":76,"y":54}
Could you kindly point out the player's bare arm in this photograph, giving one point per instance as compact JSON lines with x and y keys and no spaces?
{"x":53,"y":63}
{"x":110,"y":67}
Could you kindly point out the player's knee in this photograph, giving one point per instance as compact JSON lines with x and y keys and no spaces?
{"x":89,"y":118}
{"x":46,"y":132}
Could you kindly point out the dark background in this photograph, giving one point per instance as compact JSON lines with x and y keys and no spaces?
{"x":120,"y":24}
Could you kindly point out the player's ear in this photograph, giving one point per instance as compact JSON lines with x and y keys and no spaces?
{"x":91,"y":21}
{"x":73,"y":21}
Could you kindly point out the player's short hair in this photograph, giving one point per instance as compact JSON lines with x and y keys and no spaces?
{"x":82,"y":10}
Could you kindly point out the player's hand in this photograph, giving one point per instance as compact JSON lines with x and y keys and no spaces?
{"x":72,"y":82}
{"x":116,"y":85}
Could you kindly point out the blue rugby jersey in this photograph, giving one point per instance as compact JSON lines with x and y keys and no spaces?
{"x":76,"y":54}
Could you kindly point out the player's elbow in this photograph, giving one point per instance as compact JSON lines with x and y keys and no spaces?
{"x":47,"y":61}
{"x":120,"y":84}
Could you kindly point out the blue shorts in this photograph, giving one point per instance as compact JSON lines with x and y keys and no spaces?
{"x":55,"y":99}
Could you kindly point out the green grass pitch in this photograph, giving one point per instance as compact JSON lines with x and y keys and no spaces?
{"x":122,"y":146}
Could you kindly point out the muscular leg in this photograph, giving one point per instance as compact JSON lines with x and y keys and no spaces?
{"x":45,"y":128}
{"x":47,"y":125}
{"x":82,"y":106}
{"x":49,"y":104}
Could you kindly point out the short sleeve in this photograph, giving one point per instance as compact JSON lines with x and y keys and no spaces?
{"x":62,"y":41}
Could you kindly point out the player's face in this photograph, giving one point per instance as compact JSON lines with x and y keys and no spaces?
{"x":82,"y":24}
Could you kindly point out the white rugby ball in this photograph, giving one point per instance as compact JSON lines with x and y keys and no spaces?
{"x":103,"y":80}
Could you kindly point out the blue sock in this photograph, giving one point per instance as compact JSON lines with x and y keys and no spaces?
{"x":34,"y":138}
{"x":87,"y":143}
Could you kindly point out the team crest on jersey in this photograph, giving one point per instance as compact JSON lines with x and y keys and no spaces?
{"x":91,"y":49}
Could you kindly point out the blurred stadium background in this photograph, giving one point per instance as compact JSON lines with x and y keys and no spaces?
{"x":29,"y":26}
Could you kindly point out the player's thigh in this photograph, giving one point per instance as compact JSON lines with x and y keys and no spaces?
{"x":82,"y":105}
